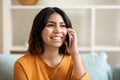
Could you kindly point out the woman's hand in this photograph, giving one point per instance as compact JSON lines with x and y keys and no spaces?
{"x":78,"y":68}
{"x":73,"y":44}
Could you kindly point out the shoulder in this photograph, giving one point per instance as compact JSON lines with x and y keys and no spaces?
{"x":67,"y":59}
{"x":25,"y":64}
{"x":27,"y":56}
{"x":25,"y":59}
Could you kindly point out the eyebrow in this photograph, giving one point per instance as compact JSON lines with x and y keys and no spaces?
{"x":55,"y":22}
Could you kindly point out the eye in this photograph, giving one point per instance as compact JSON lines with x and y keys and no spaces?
{"x":50,"y":25}
{"x":62,"y":25}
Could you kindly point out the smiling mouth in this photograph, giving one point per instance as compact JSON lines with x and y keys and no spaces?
{"x":56,"y":38}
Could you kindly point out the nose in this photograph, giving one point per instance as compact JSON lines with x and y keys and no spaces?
{"x":57,"y":29}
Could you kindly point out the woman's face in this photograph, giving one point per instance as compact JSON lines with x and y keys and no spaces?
{"x":54,"y":33}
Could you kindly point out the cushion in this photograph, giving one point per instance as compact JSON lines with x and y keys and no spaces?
{"x":6,"y":65}
{"x":116,"y":72}
{"x":96,"y":65}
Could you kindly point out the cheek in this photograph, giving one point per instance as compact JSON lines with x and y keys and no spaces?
{"x":45,"y":33}
{"x":64,"y":33}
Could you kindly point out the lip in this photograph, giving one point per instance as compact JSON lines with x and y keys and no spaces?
{"x":56,"y":38}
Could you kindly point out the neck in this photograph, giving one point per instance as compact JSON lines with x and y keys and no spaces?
{"x":51,"y":56}
{"x":51,"y":52}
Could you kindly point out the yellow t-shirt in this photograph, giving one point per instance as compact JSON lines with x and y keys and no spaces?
{"x":31,"y":67}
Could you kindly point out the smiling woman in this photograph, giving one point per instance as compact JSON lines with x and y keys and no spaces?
{"x":49,"y":56}
{"x":54,"y":33}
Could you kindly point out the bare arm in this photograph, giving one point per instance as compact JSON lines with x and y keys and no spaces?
{"x":78,"y":68}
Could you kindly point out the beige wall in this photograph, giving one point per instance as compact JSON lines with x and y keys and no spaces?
{"x":0,"y":26}
{"x":68,"y":2}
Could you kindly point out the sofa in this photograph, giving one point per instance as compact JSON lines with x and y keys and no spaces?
{"x":95,"y":64}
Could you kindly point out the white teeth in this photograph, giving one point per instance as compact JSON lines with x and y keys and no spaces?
{"x":57,"y":38}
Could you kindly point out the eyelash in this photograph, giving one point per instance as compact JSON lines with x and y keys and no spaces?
{"x":63,"y":25}
{"x":50,"y":25}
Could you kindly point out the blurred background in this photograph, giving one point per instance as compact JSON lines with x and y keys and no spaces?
{"x":97,"y":23}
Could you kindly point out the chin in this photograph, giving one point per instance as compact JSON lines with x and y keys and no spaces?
{"x":57,"y":46}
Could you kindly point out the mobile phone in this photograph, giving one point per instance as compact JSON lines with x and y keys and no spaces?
{"x":68,"y":39}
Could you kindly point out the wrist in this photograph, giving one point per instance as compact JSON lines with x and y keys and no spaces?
{"x":75,"y":53}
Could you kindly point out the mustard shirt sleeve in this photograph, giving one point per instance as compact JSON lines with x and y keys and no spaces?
{"x":19,"y":73}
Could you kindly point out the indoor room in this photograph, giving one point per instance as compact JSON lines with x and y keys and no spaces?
{"x":97,"y":27}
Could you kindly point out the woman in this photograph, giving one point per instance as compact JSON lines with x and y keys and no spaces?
{"x":49,"y":57}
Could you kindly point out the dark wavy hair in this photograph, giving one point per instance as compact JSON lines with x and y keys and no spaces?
{"x":35,"y":41}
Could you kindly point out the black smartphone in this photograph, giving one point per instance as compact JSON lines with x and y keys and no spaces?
{"x":68,"y":39}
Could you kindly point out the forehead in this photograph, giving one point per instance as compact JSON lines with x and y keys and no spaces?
{"x":55,"y":17}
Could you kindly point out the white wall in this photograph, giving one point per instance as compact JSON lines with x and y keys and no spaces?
{"x":69,"y":2}
{"x":113,"y":58}
{"x":0,"y":26}
{"x":118,"y":27}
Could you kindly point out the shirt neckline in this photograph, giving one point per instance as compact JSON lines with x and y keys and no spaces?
{"x":52,"y":67}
